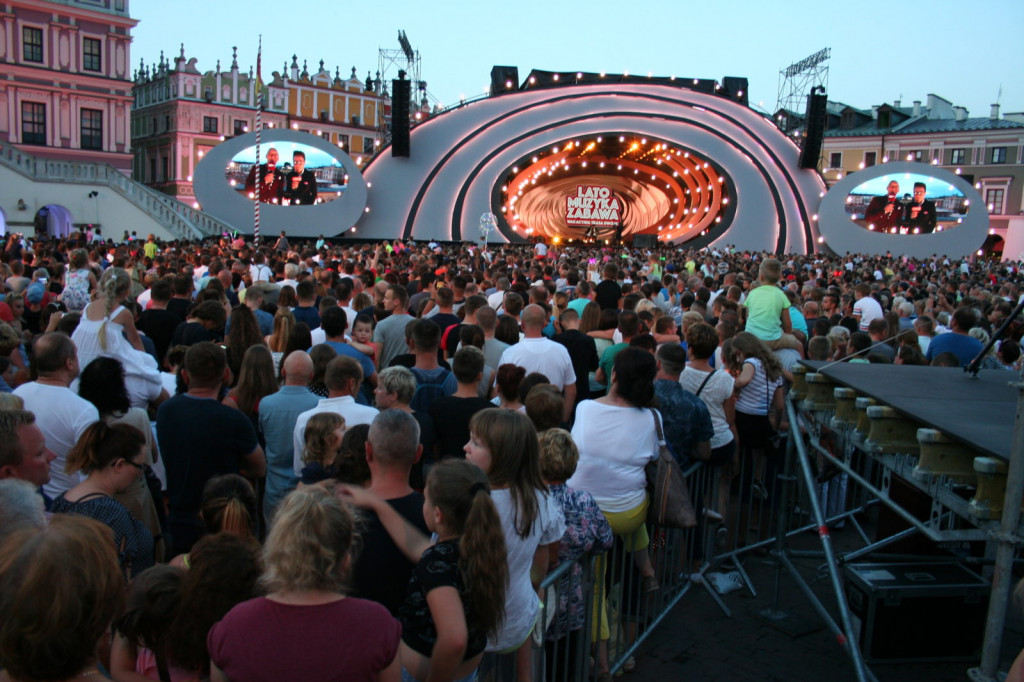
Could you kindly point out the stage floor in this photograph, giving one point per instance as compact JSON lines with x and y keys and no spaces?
{"x":978,"y":412}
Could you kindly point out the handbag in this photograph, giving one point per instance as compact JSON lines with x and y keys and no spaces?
{"x":670,"y":505}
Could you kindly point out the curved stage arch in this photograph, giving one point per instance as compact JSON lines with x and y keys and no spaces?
{"x":462,"y":164}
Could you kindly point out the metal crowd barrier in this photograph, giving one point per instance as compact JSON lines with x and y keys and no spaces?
{"x":830,"y":473}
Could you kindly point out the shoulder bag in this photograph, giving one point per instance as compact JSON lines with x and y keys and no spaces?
{"x":670,"y":506}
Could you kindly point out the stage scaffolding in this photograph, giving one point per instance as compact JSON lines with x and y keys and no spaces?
{"x":389,"y":63}
{"x":796,"y":82}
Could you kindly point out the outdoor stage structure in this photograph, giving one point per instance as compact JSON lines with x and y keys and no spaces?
{"x":572,"y":156}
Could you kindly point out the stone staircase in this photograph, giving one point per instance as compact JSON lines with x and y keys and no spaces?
{"x":180,"y":220}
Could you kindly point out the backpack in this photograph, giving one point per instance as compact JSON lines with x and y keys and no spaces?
{"x":426,"y":393}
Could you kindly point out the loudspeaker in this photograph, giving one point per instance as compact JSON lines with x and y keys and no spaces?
{"x":504,"y":79}
{"x":400,"y":94}
{"x":645,"y":241}
{"x":735,"y":89}
{"x":814,"y":133}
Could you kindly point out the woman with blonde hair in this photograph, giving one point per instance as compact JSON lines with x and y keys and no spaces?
{"x":278,"y":339}
{"x":108,"y":329}
{"x":306,"y":628}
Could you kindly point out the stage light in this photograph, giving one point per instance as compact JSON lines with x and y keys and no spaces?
{"x":739,"y":94}
{"x":366,"y":210}
{"x":814,"y":217}
{"x":885,"y":159}
{"x":221,"y":138}
{"x":967,"y":202}
{"x":601,"y":165}
{"x":602,"y":74}
{"x":200,"y":154}
{"x":555,"y":78}
{"x":579,"y":75}
{"x":619,"y":167}
{"x":958,"y":171}
{"x":821,"y":240}
{"x":625,"y":74}
{"x":508,"y":84}
{"x":195,"y":205}
{"x":188,"y":178}
{"x":694,"y":81}
{"x":584,"y":164}
{"x":295,"y":126}
{"x":535,"y":159}
{"x":643,"y":140}
{"x":532,"y":80}
{"x":725,"y":200}
{"x":515,"y":169}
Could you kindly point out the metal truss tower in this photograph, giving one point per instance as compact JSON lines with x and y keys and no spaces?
{"x":389,"y":63}
{"x":796,"y":82}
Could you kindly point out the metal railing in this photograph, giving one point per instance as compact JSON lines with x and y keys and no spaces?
{"x":824,"y":479}
{"x":180,"y":220}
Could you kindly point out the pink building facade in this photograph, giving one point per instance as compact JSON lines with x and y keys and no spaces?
{"x":68,"y":90}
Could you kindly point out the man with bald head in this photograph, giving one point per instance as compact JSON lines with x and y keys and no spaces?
{"x":535,"y":353}
{"x":278,"y":414}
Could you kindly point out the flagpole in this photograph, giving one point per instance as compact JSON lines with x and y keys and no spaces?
{"x":259,"y":131}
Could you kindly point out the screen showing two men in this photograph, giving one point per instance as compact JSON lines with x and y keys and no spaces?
{"x":288,"y":174}
{"x":906,"y":203}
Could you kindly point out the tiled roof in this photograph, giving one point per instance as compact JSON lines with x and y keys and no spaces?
{"x":922,"y":125}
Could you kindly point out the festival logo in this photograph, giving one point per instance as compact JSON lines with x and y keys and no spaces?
{"x":592,"y":206}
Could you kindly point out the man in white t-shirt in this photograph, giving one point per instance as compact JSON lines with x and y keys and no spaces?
{"x":865,"y":308}
{"x":61,"y":415}
{"x":535,"y":353}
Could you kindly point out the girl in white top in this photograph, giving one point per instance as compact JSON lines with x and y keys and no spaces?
{"x":504,"y":444}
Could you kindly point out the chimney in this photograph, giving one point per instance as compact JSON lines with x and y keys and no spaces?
{"x":994,"y":114}
{"x":896,"y":104}
{"x":960,"y":113}
{"x":874,"y":112}
{"x":917,"y":107}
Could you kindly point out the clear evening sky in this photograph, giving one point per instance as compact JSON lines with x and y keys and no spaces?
{"x":881,"y":51}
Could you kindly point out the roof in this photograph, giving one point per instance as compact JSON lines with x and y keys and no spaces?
{"x":923,"y":125}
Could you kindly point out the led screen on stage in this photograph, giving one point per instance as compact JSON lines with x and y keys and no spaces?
{"x":906,"y":203}
{"x":292,"y":174}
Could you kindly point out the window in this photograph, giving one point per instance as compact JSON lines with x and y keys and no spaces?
{"x":167,"y":123}
{"x":240,"y":127}
{"x":884,"y":118}
{"x":210,"y":124}
{"x":152,"y":170}
{"x":367,"y":145}
{"x":835,"y":160}
{"x":33,"y":123}
{"x":343,"y":141}
{"x":326,"y":135}
{"x":994,"y":201}
{"x":32,"y":44}
{"x":998,"y":154}
{"x":916,"y":155}
{"x":957,"y":157}
{"x":91,"y":54}
{"x":92,"y":129}
{"x":870,"y":159}
{"x":165,"y":164}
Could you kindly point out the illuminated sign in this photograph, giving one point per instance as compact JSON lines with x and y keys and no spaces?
{"x":592,"y":206}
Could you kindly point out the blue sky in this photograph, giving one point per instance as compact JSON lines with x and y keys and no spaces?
{"x":880,"y":51}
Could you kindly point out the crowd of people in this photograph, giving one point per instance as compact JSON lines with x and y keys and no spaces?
{"x":342,"y":460}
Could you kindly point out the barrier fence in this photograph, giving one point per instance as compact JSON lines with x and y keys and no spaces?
{"x":826,"y":476}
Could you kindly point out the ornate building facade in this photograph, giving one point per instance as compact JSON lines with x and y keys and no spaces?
{"x":986,"y":151}
{"x":180,"y":113}
{"x":67,"y":92}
